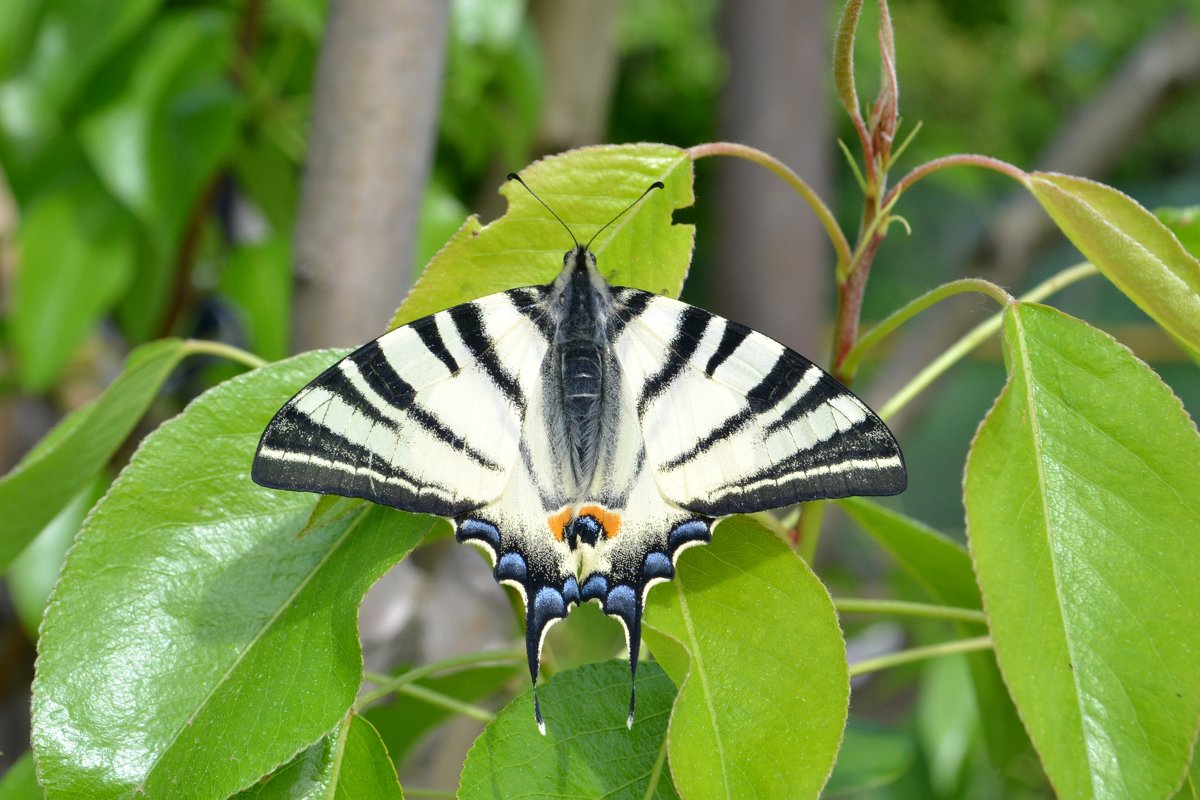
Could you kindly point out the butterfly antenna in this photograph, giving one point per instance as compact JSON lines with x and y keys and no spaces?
{"x":512,"y":176}
{"x":649,"y":189}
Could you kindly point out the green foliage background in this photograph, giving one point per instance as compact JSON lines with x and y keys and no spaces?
{"x":127,"y":130}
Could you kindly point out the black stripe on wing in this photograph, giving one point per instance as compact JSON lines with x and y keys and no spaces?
{"x":692,"y":324}
{"x":628,"y":305}
{"x":426,"y":328}
{"x":468,"y":321}
{"x":731,"y":338}
{"x":785,"y":375}
{"x":863,"y":460}
{"x":298,"y":453}
{"x":392,"y":390}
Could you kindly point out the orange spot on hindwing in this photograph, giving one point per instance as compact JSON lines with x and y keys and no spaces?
{"x":558,"y":522}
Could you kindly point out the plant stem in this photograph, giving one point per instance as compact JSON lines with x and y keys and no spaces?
{"x":824,"y":215}
{"x":446,"y":701}
{"x":919,"y":654}
{"x":964,"y":159}
{"x":977,"y":335}
{"x":812,"y":514}
{"x":196,"y":346}
{"x":855,"y":605}
{"x":914,"y":307}
{"x":387,"y":684}
{"x":656,"y":772}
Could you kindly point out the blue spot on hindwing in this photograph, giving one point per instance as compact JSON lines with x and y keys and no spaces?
{"x":570,"y":590}
{"x":691,"y":530}
{"x":480,"y":530}
{"x":622,"y":601}
{"x":657,"y":565}
{"x":594,"y":588}
{"x":511,"y":567}
{"x":548,"y":604}
{"x":588,"y":529}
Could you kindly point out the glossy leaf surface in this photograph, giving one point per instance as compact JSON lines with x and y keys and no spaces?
{"x":1130,"y":246}
{"x":351,"y":763}
{"x":190,"y":604}
{"x":1082,"y":497}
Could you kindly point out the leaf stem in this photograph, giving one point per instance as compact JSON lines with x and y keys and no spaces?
{"x":840,"y":245}
{"x":855,"y":605}
{"x":901,"y":657}
{"x":206,"y":346}
{"x":960,"y":160}
{"x":435,"y":698}
{"x":977,"y":335}
{"x":656,"y":772}
{"x":914,"y":307}
{"x":386,"y":684}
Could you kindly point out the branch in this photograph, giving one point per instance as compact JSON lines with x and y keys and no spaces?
{"x":378,"y":89}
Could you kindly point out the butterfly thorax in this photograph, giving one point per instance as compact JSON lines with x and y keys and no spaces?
{"x":579,"y":359}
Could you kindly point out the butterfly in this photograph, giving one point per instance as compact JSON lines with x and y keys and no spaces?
{"x":582,"y":435}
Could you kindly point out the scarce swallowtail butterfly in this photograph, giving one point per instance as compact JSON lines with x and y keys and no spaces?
{"x":582,"y":435}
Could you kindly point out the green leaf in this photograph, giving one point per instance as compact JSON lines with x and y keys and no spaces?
{"x":404,"y":721}
{"x":170,"y":120}
{"x":349,"y":763}
{"x":1130,"y":246}
{"x":940,"y":565}
{"x":947,"y":719}
{"x":1082,"y":496}
{"x":38,"y":488}
{"x":258,"y":280}
{"x":587,"y":188}
{"x":870,"y":756}
{"x":767,"y":684}
{"x":190,"y":605}
{"x":843,"y":57}
{"x":944,"y":570}
{"x":73,"y":38}
{"x":20,"y":783}
{"x":1185,"y":224}
{"x":587,"y":752}
{"x":77,"y":253}
{"x":1190,"y":790}
{"x":34,"y":572}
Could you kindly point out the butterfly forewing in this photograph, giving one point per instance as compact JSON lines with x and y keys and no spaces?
{"x":735,"y":422}
{"x":418,"y":419}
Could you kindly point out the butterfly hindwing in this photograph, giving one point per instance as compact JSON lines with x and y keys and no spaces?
{"x":425,"y":418}
{"x":735,"y":422}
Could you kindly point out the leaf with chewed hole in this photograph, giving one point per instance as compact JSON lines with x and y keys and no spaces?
{"x":587,"y":188}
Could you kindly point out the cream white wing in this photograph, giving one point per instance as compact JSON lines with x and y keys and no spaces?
{"x":736,"y":422}
{"x":426,"y":418}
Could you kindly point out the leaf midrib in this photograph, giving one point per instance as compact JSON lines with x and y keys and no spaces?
{"x":698,"y":667}
{"x":1036,"y":437}
{"x":250,"y":644}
